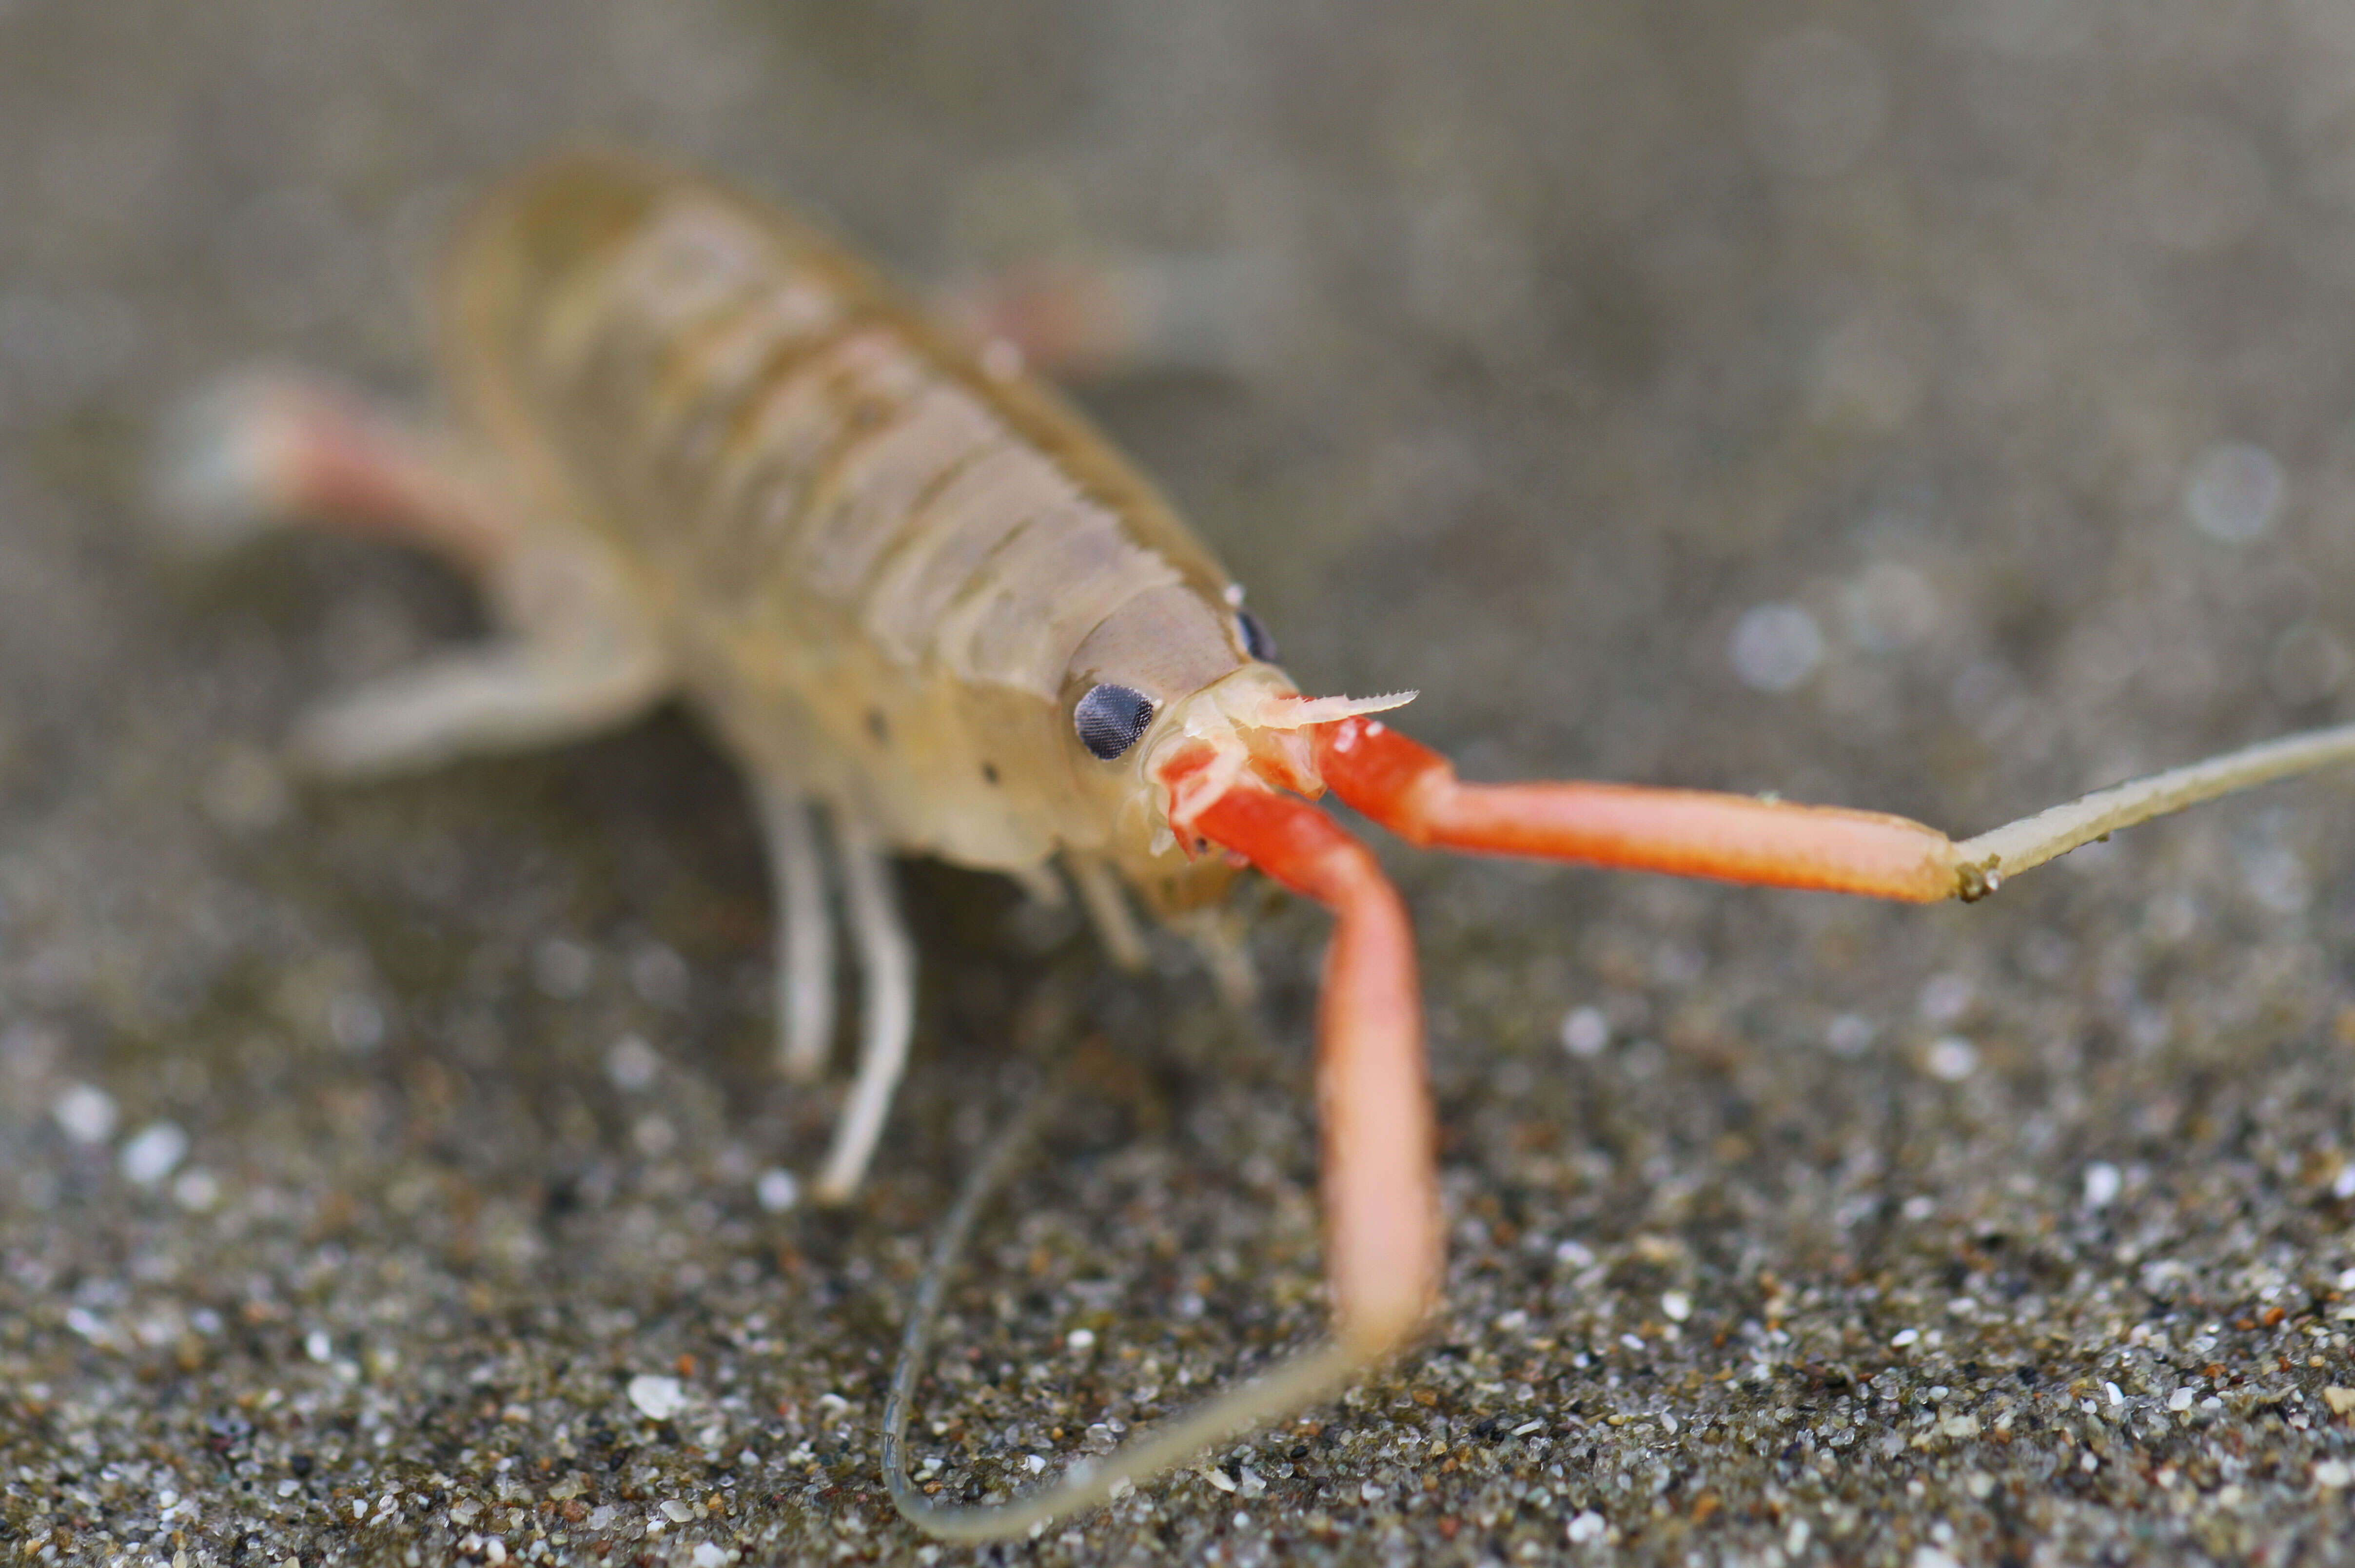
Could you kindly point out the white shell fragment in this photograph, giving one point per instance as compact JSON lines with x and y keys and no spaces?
{"x":657,"y":1399}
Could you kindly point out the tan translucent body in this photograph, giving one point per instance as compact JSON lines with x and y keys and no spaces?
{"x":882,"y":572}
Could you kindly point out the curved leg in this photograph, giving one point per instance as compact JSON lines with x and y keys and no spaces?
{"x":507,"y":697}
{"x":1218,"y":936}
{"x":260,"y":448}
{"x":1106,"y":902}
{"x":1093,"y":319}
{"x":887,"y":963}
{"x":804,"y":936}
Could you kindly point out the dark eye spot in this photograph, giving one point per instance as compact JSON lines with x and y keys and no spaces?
{"x":1110,"y":719}
{"x":1256,"y":642}
{"x":879,"y":727}
{"x":989,"y":772}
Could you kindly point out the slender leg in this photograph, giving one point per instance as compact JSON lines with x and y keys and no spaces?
{"x":887,"y":963}
{"x":506,"y":696}
{"x":256,"y":449}
{"x":1091,"y":319}
{"x":1217,"y":935}
{"x":1106,"y":902}
{"x":804,"y":937}
{"x":1042,"y":883}
{"x":577,"y":658}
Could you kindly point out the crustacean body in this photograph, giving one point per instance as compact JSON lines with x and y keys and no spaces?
{"x":707,"y":455}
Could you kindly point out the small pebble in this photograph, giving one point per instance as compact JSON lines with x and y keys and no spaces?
{"x":2234,"y":492}
{"x":654,"y":1134}
{"x":657,"y":1399}
{"x":562,"y":968}
{"x":154,"y":1152}
{"x":1850,"y":1035}
{"x":777,"y":1191}
{"x":631,"y":1064}
{"x":1952,"y":1059}
{"x":1944,"y":998}
{"x":1585,"y":1031}
{"x":354,"y":1022}
{"x":197,"y":1191}
{"x":86,"y":1112}
{"x":659,"y":976}
{"x":1774,"y":647}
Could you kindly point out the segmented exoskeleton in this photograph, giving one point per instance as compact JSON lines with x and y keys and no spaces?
{"x":704,"y":452}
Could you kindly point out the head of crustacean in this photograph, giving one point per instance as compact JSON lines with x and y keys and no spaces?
{"x":1172,"y":700}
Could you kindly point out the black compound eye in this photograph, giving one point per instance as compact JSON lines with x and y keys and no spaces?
{"x":1110,"y":719}
{"x":1256,"y":642}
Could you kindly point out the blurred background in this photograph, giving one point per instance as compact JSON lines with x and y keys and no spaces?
{"x":1942,"y":406}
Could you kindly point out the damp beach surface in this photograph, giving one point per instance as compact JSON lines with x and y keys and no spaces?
{"x":1940,"y":409}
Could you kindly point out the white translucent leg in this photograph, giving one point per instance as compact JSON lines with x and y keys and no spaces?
{"x":887,"y":963}
{"x":1106,"y":902}
{"x":506,"y":696}
{"x":1086,"y":319}
{"x":804,"y":937}
{"x":1042,"y":884}
{"x":1217,"y":935}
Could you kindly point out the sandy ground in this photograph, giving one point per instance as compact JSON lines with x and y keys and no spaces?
{"x":1937,"y":407}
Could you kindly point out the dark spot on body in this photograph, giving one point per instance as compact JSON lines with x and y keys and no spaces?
{"x":989,"y":772}
{"x":878,"y":726}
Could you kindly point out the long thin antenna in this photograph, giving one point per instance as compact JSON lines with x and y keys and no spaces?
{"x":1303,"y":1381}
{"x":2016,"y":846}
